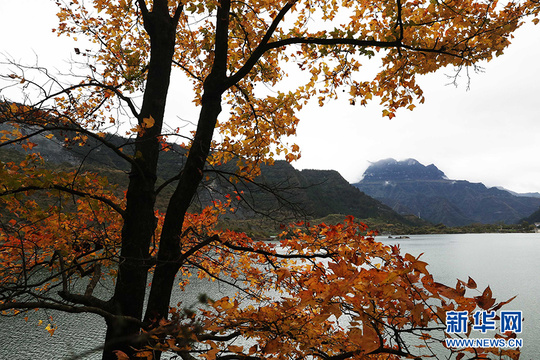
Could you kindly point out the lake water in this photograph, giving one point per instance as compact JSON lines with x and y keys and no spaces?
{"x":508,"y":263}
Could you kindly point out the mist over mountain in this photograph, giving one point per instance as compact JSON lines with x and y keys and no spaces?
{"x":393,"y":170}
{"x":410,"y":187}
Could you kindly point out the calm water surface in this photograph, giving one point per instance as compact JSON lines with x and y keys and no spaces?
{"x":508,"y":263}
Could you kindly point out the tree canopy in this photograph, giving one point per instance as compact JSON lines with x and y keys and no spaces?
{"x":320,"y":291}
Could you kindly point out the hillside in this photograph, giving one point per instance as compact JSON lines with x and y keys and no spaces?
{"x":533,"y":218}
{"x":409,"y":187}
{"x":325,"y":192}
{"x":281,"y":193}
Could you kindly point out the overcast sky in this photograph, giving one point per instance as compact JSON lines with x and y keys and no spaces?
{"x":489,"y":133}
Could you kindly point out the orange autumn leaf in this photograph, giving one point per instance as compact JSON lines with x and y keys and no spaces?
{"x":231,"y":59}
{"x":120,"y":355}
{"x":148,"y":122}
{"x":471,"y":284}
{"x":486,"y":300}
{"x":50,"y":329}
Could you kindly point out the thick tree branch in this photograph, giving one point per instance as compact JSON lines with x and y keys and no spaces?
{"x":22,"y":138}
{"x":68,"y":190}
{"x":31,"y":305}
{"x":95,"y":83}
{"x":238,"y":357}
{"x":178,"y":12}
{"x":215,"y":337}
{"x":144,"y":9}
{"x":278,"y":255}
{"x":331,"y":42}
{"x":399,"y":21}
{"x":198,"y":247}
{"x":168,"y":182}
{"x":86,"y":300}
{"x":261,"y":48}
{"x":222,"y":39}
{"x":55,"y":125}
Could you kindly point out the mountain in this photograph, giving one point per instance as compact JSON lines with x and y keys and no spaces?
{"x":310,"y":193}
{"x":409,"y":187}
{"x":410,"y":169}
{"x":529,"y":194}
{"x":533,"y":218}
{"x":280,"y":191}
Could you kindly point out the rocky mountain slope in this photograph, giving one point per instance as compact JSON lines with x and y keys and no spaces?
{"x":533,"y":218}
{"x":409,"y":187}
{"x":280,"y":192}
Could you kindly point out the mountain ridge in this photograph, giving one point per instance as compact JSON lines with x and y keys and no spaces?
{"x":408,"y":169}
{"x":388,"y":190}
{"x":409,"y":187}
{"x":313,"y":193}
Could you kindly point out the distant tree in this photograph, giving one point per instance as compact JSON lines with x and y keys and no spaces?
{"x":58,"y":226}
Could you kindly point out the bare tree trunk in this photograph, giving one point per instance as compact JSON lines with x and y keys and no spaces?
{"x":170,"y":248}
{"x":169,"y":255}
{"x":139,"y":220}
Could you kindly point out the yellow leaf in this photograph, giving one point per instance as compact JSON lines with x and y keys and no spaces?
{"x":121,"y":355}
{"x":148,"y":122}
{"x":143,"y":354}
{"x":235,"y":349}
{"x":51,"y":329}
{"x":272,"y":346}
